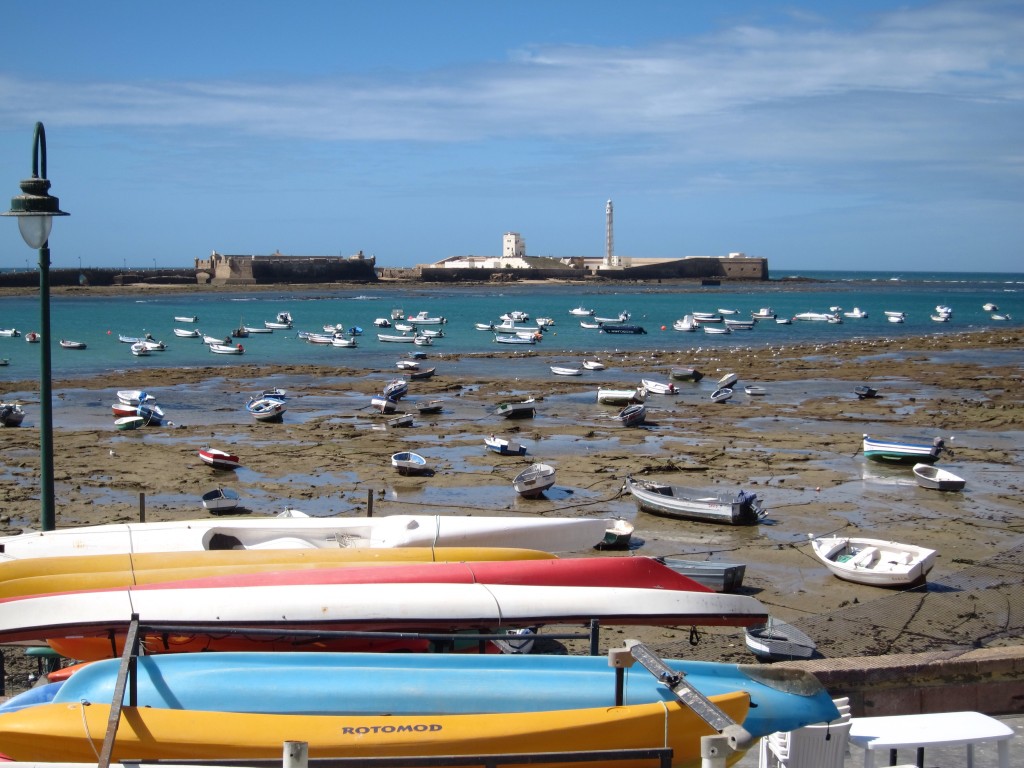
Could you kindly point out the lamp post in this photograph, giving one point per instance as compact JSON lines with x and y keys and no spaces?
{"x":35,"y":209}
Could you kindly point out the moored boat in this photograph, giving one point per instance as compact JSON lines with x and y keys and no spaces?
{"x":534,"y":480}
{"x":134,"y":396}
{"x":903,"y":451}
{"x":221,"y":500}
{"x":776,"y":640}
{"x":227,"y":349}
{"x":525,"y":409}
{"x":718,"y":577}
{"x":126,"y":423}
{"x":435,"y":405}
{"x":632,"y":415}
{"x":655,"y":387}
{"x":187,"y":333}
{"x":564,"y":370}
{"x":409,"y":463}
{"x":739,"y":508}
{"x":593,"y":365}
{"x":504,"y":446}
{"x":68,"y":344}
{"x":621,"y":397}
{"x":266,"y":408}
{"x":685,"y":373}
{"x":873,"y":561}
{"x":865,"y":392}
{"x":11,"y":414}
{"x":928,"y":476}
{"x":721,"y":394}
{"x":219,"y":459}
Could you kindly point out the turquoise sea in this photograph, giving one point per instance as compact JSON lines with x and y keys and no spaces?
{"x":98,"y":320}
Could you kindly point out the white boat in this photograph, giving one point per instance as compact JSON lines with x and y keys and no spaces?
{"x":407,"y":365}
{"x":396,"y":338}
{"x":686,"y":324}
{"x":430,"y":406}
{"x":619,"y":318}
{"x":345,"y":342}
{"x":256,"y":329}
{"x":134,"y":396}
{"x":590,"y":326}
{"x":11,"y":414}
{"x":534,"y":480}
{"x":207,"y":339}
{"x":658,"y":387}
{"x":632,"y":415}
{"x":511,"y":338}
{"x":408,"y":463}
{"x":707,"y":317}
{"x":515,"y":316}
{"x":67,"y":344}
{"x":404,"y":327}
{"x":383,"y":403}
{"x":940,"y":318}
{"x":764,"y":313}
{"x":716,"y":329}
{"x":739,"y":508}
{"x":593,"y":365}
{"x":775,"y":640}
{"x":139,"y":349}
{"x":937,"y":479}
{"x":784,"y":320}
{"x":422,"y":318}
{"x":187,"y":333}
{"x":405,"y":420}
{"x":186,"y":318}
{"x":276,"y":326}
{"x":893,"y":313}
{"x":221,"y":500}
{"x":740,"y":325}
{"x":755,"y":390}
{"x":560,"y":370}
{"x":721,"y":394}
{"x":856,"y":314}
{"x":581,"y":312}
{"x":152,"y":345}
{"x":484,"y":326}
{"x":266,"y":408}
{"x":549,"y":534}
{"x":621,"y":397}
{"x":9,"y":332}
{"x":894,"y":318}
{"x":873,"y":561}
{"x":381,"y":322}
{"x":820,"y":317}
{"x":545,"y":322}
{"x":1005,"y":316}
{"x":728,"y":380}
{"x":126,"y":423}
{"x":989,"y":307}
{"x":524,"y":409}
{"x":422,"y":341}
{"x":504,"y":446}
{"x":227,"y":349}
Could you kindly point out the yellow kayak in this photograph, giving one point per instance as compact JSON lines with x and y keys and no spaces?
{"x":74,"y":732}
{"x":47,"y":575}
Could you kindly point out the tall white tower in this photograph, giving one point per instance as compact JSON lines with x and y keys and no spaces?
{"x":609,"y":236}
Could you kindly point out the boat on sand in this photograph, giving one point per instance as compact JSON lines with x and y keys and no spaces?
{"x":534,"y":480}
{"x":734,"y":508}
{"x":874,"y":561}
{"x":937,"y":479}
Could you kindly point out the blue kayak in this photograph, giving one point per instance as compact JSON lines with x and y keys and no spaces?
{"x":411,"y":684}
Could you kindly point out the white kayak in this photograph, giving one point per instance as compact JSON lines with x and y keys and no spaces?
{"x":368,"y":607}
{"x":551,"y":534}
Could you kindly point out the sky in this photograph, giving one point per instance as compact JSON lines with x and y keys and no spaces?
{"x":842,"y":135}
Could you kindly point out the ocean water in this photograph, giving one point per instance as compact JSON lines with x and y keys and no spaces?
{"x":99,"y":320}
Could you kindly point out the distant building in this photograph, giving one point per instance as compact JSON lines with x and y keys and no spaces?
{"x":225,"y":269}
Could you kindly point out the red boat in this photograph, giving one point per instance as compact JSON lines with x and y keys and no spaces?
{"x":121,"y":410}
{"x":219,"y":459}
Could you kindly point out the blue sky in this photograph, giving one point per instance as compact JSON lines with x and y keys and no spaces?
{"x":867,"y":135}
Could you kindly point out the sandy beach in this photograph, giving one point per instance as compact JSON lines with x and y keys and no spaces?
{"x":798,"y":446}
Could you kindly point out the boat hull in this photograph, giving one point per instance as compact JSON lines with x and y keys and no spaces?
{"x":937,"y":479}
{"x":874,"y":562}
{"x":692,"y":504}
{"x":899,"y":452}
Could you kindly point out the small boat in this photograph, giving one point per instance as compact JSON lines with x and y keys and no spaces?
{"x":219,"y":459}
{"x":755,"y":390}
{"x":504,"y":446}
{"x":591,"y":326}
{"x":873,"y":561}
{"x":775,"y":640}
{"x":256,"y":329}
{"x":713,"y":329}
{"x":126,"y":423}
{"x":221,"y":500}
{"x":227,"y":349}
{"x":819,"y":317}
{"x":545,"y":322}
{"x":617,"y":536}
{"x":511,"y":338}
{"x":1002,"y":317}
{"x":266,"y":408}
{"x":658,"y":387}
{"x":153,"y":346}
{"x":940,"y":318}
{"x":740,"y":325}
{"x":903,"y":451}
{"x":431,"y":333}
{"x":728,"y":380}
{"x":989,"y":307}
{"x":188,"y":333}
{"x":282,"y":322}
{"x":277,"y":393}
{"x":396,"y":389}
{"x":892,"y":313}
{"x":525,"y":409}
{"x":856,"y":314}
{"x":937,"y":479}
{"x":726,"y":311}
{"x":764,"y":313}
{"x":593,"y":365}
{"x":32,"y":337}
{"x":718,"y":577}
{"x":134,"y":339}
{"x":560,"y":370}
{"x":621,"y":397}
{"x":707,"y":317}
{"x":721,"y":394}
{"x":9,"y":332}
{"x":622,"y":328}
{"x":430,"y":406}
{"x":405,"y":420}
{"x":784,"y":320}
{"x":134,"y":396}
{"x":422,"y":341}
{"x":740,"y":508}
{"x":139,"y":349}
{"x":207,"y":339}
{"x":341,"y":341}
{"x":241,"y":332}
{"x":895,"y":318}
{"x":581,"y":312}
{"x":683,"y":373}
{"x":186,"y":318}
{"x":11,"y":414}
{"x":534,"y":480}
{"x":484,"y":326}
{"x":686,"y":323}
{"x":408,"y":463}
{"x":5,"y":361}
{"x":153,"y":415}
{"x":864,"y":392}
{"x":515,"y":316}
{"x":383,"y":403}
{"x":66,"y":344}
{"x":425,"y":373}
{"x":422,"y":318}
{"x":123,"y":409}
{"x":381,"y":322}
{"x":407,"y":365}
{"x":632,"y":415}
{"x":620,"y":318}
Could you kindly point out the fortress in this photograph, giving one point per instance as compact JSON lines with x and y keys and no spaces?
{"x":222,"y":269}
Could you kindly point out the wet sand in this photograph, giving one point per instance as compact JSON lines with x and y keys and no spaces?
{"x":798,"y":446}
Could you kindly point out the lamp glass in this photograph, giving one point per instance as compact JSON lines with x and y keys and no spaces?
{"x":35,"y":229}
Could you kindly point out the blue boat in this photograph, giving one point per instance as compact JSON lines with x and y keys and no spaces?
{"x":409,"y":684}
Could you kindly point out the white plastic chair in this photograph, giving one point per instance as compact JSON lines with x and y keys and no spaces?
{"x":813,"y":746}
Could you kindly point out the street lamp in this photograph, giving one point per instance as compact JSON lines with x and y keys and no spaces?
{"x":35,"y":208}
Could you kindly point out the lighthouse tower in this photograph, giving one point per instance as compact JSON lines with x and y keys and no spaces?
{"x":609,"y":236}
